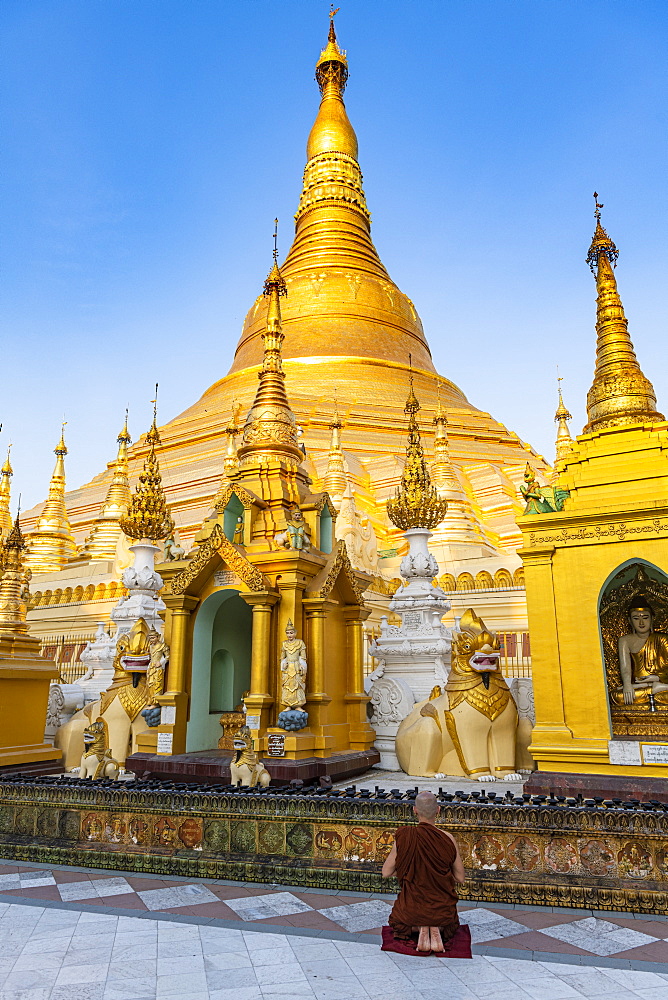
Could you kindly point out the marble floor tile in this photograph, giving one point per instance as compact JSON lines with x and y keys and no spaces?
{"x":182,"y":983}
{"x":503,"y":991}
{"x":269,"y":975}
{"x":36,"y":994}
{"x":552,"y":988}
{"x":227,"y":960}
{"x":31,"y":879}
{"x":486,"y":925}
{"x":257,"y":941}
{"x":277,"y":904}
{"x":600,"y":937}
{"x":327,"y":968}
{"x":120,"y":989}
{"x":283,"y":955}
{"x":180,"y":963}
{"x":122,"y":971}
{"x":237,"y":993}
{"x":27,"y":979}
{"x":84,"y":991}
{"x":85,"y":973}
{"x":173,"y":948}
{"x":635,"y":979}
{"x":182,"y":895}
{"x":360,"y":916}
{"x":339,"y":989}
{"x":653,"y":993}
{"x":46,"y":960}
{"x":287,"y":991}
{"x":590,"y":982}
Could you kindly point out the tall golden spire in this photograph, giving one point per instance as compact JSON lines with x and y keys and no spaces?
{"x":335,"y":479}
{"x":14,"y":583}
{"x":51,"y":545}
{"x":270,"y":431}
{"x":338,"y":284}
{"x":564,"y":442}
{"x":620,"y":393}
{"x":103,"y":539}
{"x":5,"y":490}
{"x":416,"y":504}
{"x":148,"y":517}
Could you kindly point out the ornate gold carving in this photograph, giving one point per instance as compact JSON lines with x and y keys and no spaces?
{"x":14,"y":584}
{"x":236,"y":560}
{"x":341,"y":564}
{"x":619,"y":530}
{"x":148,"y":516}
{"x":416,"y":504}
{"x":228,"y":490}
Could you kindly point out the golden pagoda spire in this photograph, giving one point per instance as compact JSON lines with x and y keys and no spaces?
{"x":14,"y":583}
{"x":103,"y":539}
{"x":416,"y":504}
{"x":6,"y":474}
{"x":338,"y":284}
{"x":335,"y":479}
{"x":442,"y":473}
{"x":51,"y":545}
{"x":620,"y":393}
{"x":148,"y":517}
{"x":564,"y":442}
{"x":270,"y":431}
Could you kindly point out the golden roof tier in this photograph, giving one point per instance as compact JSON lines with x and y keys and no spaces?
{"x":148,"y":517}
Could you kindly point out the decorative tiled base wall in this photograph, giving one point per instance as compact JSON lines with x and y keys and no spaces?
{"x":548,"y":854}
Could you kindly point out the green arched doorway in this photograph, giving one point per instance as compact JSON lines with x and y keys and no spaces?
{"x":220,"y":665}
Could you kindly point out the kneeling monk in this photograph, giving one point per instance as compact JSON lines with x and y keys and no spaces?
{"x":427,"y":864}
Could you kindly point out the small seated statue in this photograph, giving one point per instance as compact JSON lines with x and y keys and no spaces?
{"x":246,"y":768}
{"x":643,"y":660}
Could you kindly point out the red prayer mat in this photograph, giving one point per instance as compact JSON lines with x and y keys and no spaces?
{"x":458,"y":946}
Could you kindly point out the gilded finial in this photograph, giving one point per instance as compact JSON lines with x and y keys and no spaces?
{"x":51,"y":544}
{"x":620,"y":393}
{"x":564,"y":441}
{"x":270,"y":428}
{"x":416,"y":503}
{"x":601,"y":242}
{"x":7,"y":467}
{"x":148,"y":516}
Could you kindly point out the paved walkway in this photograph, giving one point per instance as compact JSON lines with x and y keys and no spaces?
{"x":79,"y":934}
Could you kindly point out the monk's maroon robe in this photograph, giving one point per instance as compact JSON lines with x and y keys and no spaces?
{"x":425,"y":857}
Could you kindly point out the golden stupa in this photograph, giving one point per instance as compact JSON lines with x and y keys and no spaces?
{"x":350,"y":332}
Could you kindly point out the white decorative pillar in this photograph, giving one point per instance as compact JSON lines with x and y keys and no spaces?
{"x":415,"y":656}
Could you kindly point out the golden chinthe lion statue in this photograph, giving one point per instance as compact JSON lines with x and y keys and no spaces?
{"x":246,"y":768}
{"x":139,"y":667}
{"x":97,"y":761}
{"x":470,"y":730}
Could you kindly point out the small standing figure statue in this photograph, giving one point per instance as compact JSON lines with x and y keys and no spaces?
{"x":238,"y":537}
{"x":293,"y":681}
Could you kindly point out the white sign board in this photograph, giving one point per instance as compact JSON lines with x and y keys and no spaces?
{"x":655,"y":753}
{"x":411,"y":619}
{"x":253,"y":721}
{"x":626,"y":752}
{"x":224,"y":577}
{"x":168,"y":715}
{"x":164,"y":742}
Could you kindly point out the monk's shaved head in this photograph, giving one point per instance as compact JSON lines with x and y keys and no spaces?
{"x":426,"y":805}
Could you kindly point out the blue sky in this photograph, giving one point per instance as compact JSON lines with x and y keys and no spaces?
{"x":148,"y":145}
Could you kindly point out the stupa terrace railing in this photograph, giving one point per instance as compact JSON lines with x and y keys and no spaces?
{"x":600,"y":854}
{"x":66,"y":650}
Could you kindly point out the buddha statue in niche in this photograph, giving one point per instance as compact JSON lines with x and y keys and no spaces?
{"x":643,"y":660}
